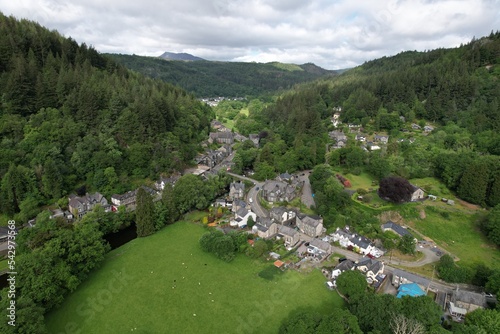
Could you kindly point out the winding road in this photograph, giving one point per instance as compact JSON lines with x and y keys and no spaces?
{"x":252,"y":194}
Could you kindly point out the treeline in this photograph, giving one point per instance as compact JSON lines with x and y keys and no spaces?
{"x":442,"y":85}
{"x":70,"y":117}
{"x":51,"y":261}
{"x":54,"y":257}
{"x":230,"y":79}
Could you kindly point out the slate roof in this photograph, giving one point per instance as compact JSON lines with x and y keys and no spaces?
{"x":285,"y":176}
{"x":343,"y":233}
{"x":242,"y":212}
{"x":285,"y":230}
{"x":239,"y":202}
{"x":310,"y":220}
{"x":469,"y":297}
{"x":265,"y":221}
{"x":372,"y":265}
{"x":411,"y":277}
{"x":238,"y":185}
{"x":320,"y":244}
{"x":261,"y":227}
{"x":396,"y":228}
{"x":345,"y":265}
{"x":360,"y":241}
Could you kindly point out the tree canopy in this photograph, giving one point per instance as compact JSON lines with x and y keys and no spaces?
{"x":396,"y":189}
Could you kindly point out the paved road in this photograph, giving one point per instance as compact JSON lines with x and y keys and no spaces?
{"x":307,"y":197}
{"x":429,"y":257}
{"x":252,"y":194}
{"x":432,"y":284}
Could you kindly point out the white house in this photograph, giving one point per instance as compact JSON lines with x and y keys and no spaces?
{"x":341,"y":267}
{"x":241,"y":217}
{"x":361,"y":244}
{"x":371,"y":268}
{"x":417,"y":194}
{"x":342,"y":236}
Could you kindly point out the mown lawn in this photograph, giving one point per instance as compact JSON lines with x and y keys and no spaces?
{"x":363,"y":180}
{"x":165,"y":284}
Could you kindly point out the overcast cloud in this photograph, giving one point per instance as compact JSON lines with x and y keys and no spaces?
{"x":333,"y":34}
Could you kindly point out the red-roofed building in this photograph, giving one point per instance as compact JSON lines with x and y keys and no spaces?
{"x":279,"y":264}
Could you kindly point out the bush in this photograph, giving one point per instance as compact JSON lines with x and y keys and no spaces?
{"x":361,"y":191}
{"x":367,"y":198}
{"x":450,"y":272}
{"x":356,"y":171}
{"x":445,"y":214}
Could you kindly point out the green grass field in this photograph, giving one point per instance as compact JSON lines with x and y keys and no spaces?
{"x":165,"y":284}
{"x":363,"y":180}
{"x":456,"y":231}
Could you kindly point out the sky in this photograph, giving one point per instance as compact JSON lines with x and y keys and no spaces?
{"x":333,"y":34}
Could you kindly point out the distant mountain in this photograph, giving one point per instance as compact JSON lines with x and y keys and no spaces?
{"x":215,"y":78}
{"x":179,"y":56}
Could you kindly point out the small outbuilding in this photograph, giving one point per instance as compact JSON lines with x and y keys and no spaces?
{"x":279,"y":264}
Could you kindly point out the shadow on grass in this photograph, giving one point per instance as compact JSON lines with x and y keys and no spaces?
{"x":270,"y":272}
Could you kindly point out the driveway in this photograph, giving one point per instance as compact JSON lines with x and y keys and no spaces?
{"x":306,"y":197}
{"x":429,"y":257}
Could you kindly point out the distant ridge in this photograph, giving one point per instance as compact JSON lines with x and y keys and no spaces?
{"x":179,"y":56}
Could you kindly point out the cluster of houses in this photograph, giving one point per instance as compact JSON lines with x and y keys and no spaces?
{"x":224,"y":135}
{"x":372,"y":269}
{"x":214,"y":101}
{"x":427,"y":128}
{"x":284,"y":188}
{"x":457,"y":303}
{"x":355,"y":242}
{"x":287,"y":224}
{"x":211,"y":158}
{"x":340,"y":140}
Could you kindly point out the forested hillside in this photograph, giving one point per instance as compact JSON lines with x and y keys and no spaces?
{"x":231,"y":79}
{"x":457,"y":90}
{"x":71,"y":117}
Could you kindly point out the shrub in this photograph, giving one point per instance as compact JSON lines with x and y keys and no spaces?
{"x":361,"y":191}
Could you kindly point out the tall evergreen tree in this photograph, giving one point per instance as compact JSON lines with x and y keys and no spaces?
{"x":474,"y":182}
{"x":144,"y":214}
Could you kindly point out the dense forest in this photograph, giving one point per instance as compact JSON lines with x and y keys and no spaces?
{"x":71,"y":117}
{"x":230,"y":79}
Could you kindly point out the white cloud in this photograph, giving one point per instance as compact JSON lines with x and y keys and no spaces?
{"x":332,"y":34}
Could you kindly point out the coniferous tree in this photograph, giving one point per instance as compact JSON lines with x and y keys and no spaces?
{"x":144,"y":213}
{"x":474,"y":182}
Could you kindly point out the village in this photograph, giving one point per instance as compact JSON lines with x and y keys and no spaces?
{"x":263,"y":210}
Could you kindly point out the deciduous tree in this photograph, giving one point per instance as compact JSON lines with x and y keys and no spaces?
{"x":395,"y":189}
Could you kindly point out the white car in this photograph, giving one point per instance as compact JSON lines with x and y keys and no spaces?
{"x":250,"y":200}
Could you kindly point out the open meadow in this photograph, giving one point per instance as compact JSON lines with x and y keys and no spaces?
{"x":166,"y":284}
